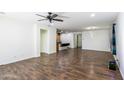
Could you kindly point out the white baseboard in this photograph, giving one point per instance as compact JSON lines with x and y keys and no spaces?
{"x":117,"y":62}
{"x":121,"y":74}
{"x":52,"y":52}
{"x":14,"y":60}
{"x":96,"y":50}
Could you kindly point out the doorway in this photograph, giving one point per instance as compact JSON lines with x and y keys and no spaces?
{"x":78,"y":40}
{"x":58,"y":41}
{"x":43,"y":41}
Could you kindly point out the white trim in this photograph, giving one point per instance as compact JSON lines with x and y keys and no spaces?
{"x":96,"y":50}
{"x":121,"y":74}
{"x":14,"y":60}
{"x":117,"y":62}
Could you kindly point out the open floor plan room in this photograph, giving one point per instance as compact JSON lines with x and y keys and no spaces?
{"x":61,"y":46}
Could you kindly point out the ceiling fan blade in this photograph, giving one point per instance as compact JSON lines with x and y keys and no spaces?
{"x":58,"y":20}
{"x":63,"y":16}
{"x":42,"y":19}
{"x":54,"y":15}
{"x":41,"y":15}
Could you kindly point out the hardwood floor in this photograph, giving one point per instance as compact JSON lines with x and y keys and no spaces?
{"x":72,"y":64}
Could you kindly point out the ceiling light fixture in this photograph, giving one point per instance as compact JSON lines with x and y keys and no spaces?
{"x":92,"y":28}
{"x":93,"y":15}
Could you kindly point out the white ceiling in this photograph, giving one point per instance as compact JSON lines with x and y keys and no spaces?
{"x":76,"y":21}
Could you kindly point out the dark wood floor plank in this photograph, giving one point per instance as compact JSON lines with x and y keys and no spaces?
{"x":72,"y":64}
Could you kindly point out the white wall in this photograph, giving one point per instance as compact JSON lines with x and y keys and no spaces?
{"x":71,"y":38}
{"x":20,"y":40}
{"x":120,"y":42}
{"x":96,"y":40}
{"x":68,"y":38}
{"x":51,"y":39}
{"x":16,"y":40}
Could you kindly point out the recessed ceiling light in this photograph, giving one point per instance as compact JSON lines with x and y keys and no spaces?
{"x":93,"y":15}
{"x":92,"y":28}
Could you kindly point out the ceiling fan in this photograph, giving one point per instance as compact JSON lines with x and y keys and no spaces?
{"x":51,"y":17}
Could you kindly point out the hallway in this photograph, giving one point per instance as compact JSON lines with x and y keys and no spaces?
{"x":72,"y":64}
